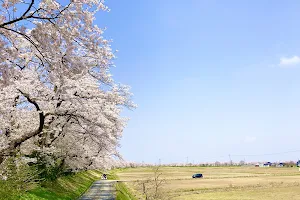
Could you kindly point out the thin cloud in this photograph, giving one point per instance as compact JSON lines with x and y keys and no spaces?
{"x":289,"y":61}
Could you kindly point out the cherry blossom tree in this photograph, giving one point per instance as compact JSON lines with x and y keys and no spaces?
{"x":57,"y":94}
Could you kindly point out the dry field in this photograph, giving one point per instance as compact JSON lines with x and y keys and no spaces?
{"x":221,"y":183}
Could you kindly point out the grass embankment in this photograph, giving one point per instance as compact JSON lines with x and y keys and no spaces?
{"x":64,"y":188}
{"x":123,"y":192}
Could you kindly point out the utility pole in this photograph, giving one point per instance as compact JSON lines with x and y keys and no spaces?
{"x":230,"y":161}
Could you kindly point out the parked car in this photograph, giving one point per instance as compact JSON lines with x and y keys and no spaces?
{"x":197,"y":176}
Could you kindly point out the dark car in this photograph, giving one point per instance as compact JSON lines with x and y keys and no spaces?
{"x":197,"y":176}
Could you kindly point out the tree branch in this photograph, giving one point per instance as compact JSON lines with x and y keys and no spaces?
{"x":20,"y":18}
{"x":17,"y":142}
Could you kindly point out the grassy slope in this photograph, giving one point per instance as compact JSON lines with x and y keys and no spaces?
{"x":65,"y":188}
{"x":123,"y":192}
{"x":72,"y":187}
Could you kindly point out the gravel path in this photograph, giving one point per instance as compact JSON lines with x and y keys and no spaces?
{"x":103,"y":190}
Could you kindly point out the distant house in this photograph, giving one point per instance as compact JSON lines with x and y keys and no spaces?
{"x":280,"y":165}
{"x":264,"y":165}
{"x":267,"y":164}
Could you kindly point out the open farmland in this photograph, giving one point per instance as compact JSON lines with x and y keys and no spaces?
{"x":224,"y":183}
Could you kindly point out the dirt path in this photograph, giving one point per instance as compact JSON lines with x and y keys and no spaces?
{"x":103,"y":190}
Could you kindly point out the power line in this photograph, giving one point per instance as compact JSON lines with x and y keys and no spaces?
{"x":240,"y":155}
{"x":268,"y":154}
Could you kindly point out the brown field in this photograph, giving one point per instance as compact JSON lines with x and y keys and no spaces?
{"x":222,"y":183}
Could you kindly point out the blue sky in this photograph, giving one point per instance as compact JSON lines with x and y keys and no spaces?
{"x":211,"y":78}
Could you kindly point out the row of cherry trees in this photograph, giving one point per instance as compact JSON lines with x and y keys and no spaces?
{"x":57,"y":96}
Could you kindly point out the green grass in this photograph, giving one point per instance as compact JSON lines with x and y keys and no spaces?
{"x":64,"y":188}
{"x":70,"y":187}
{"x":123,"y":192}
